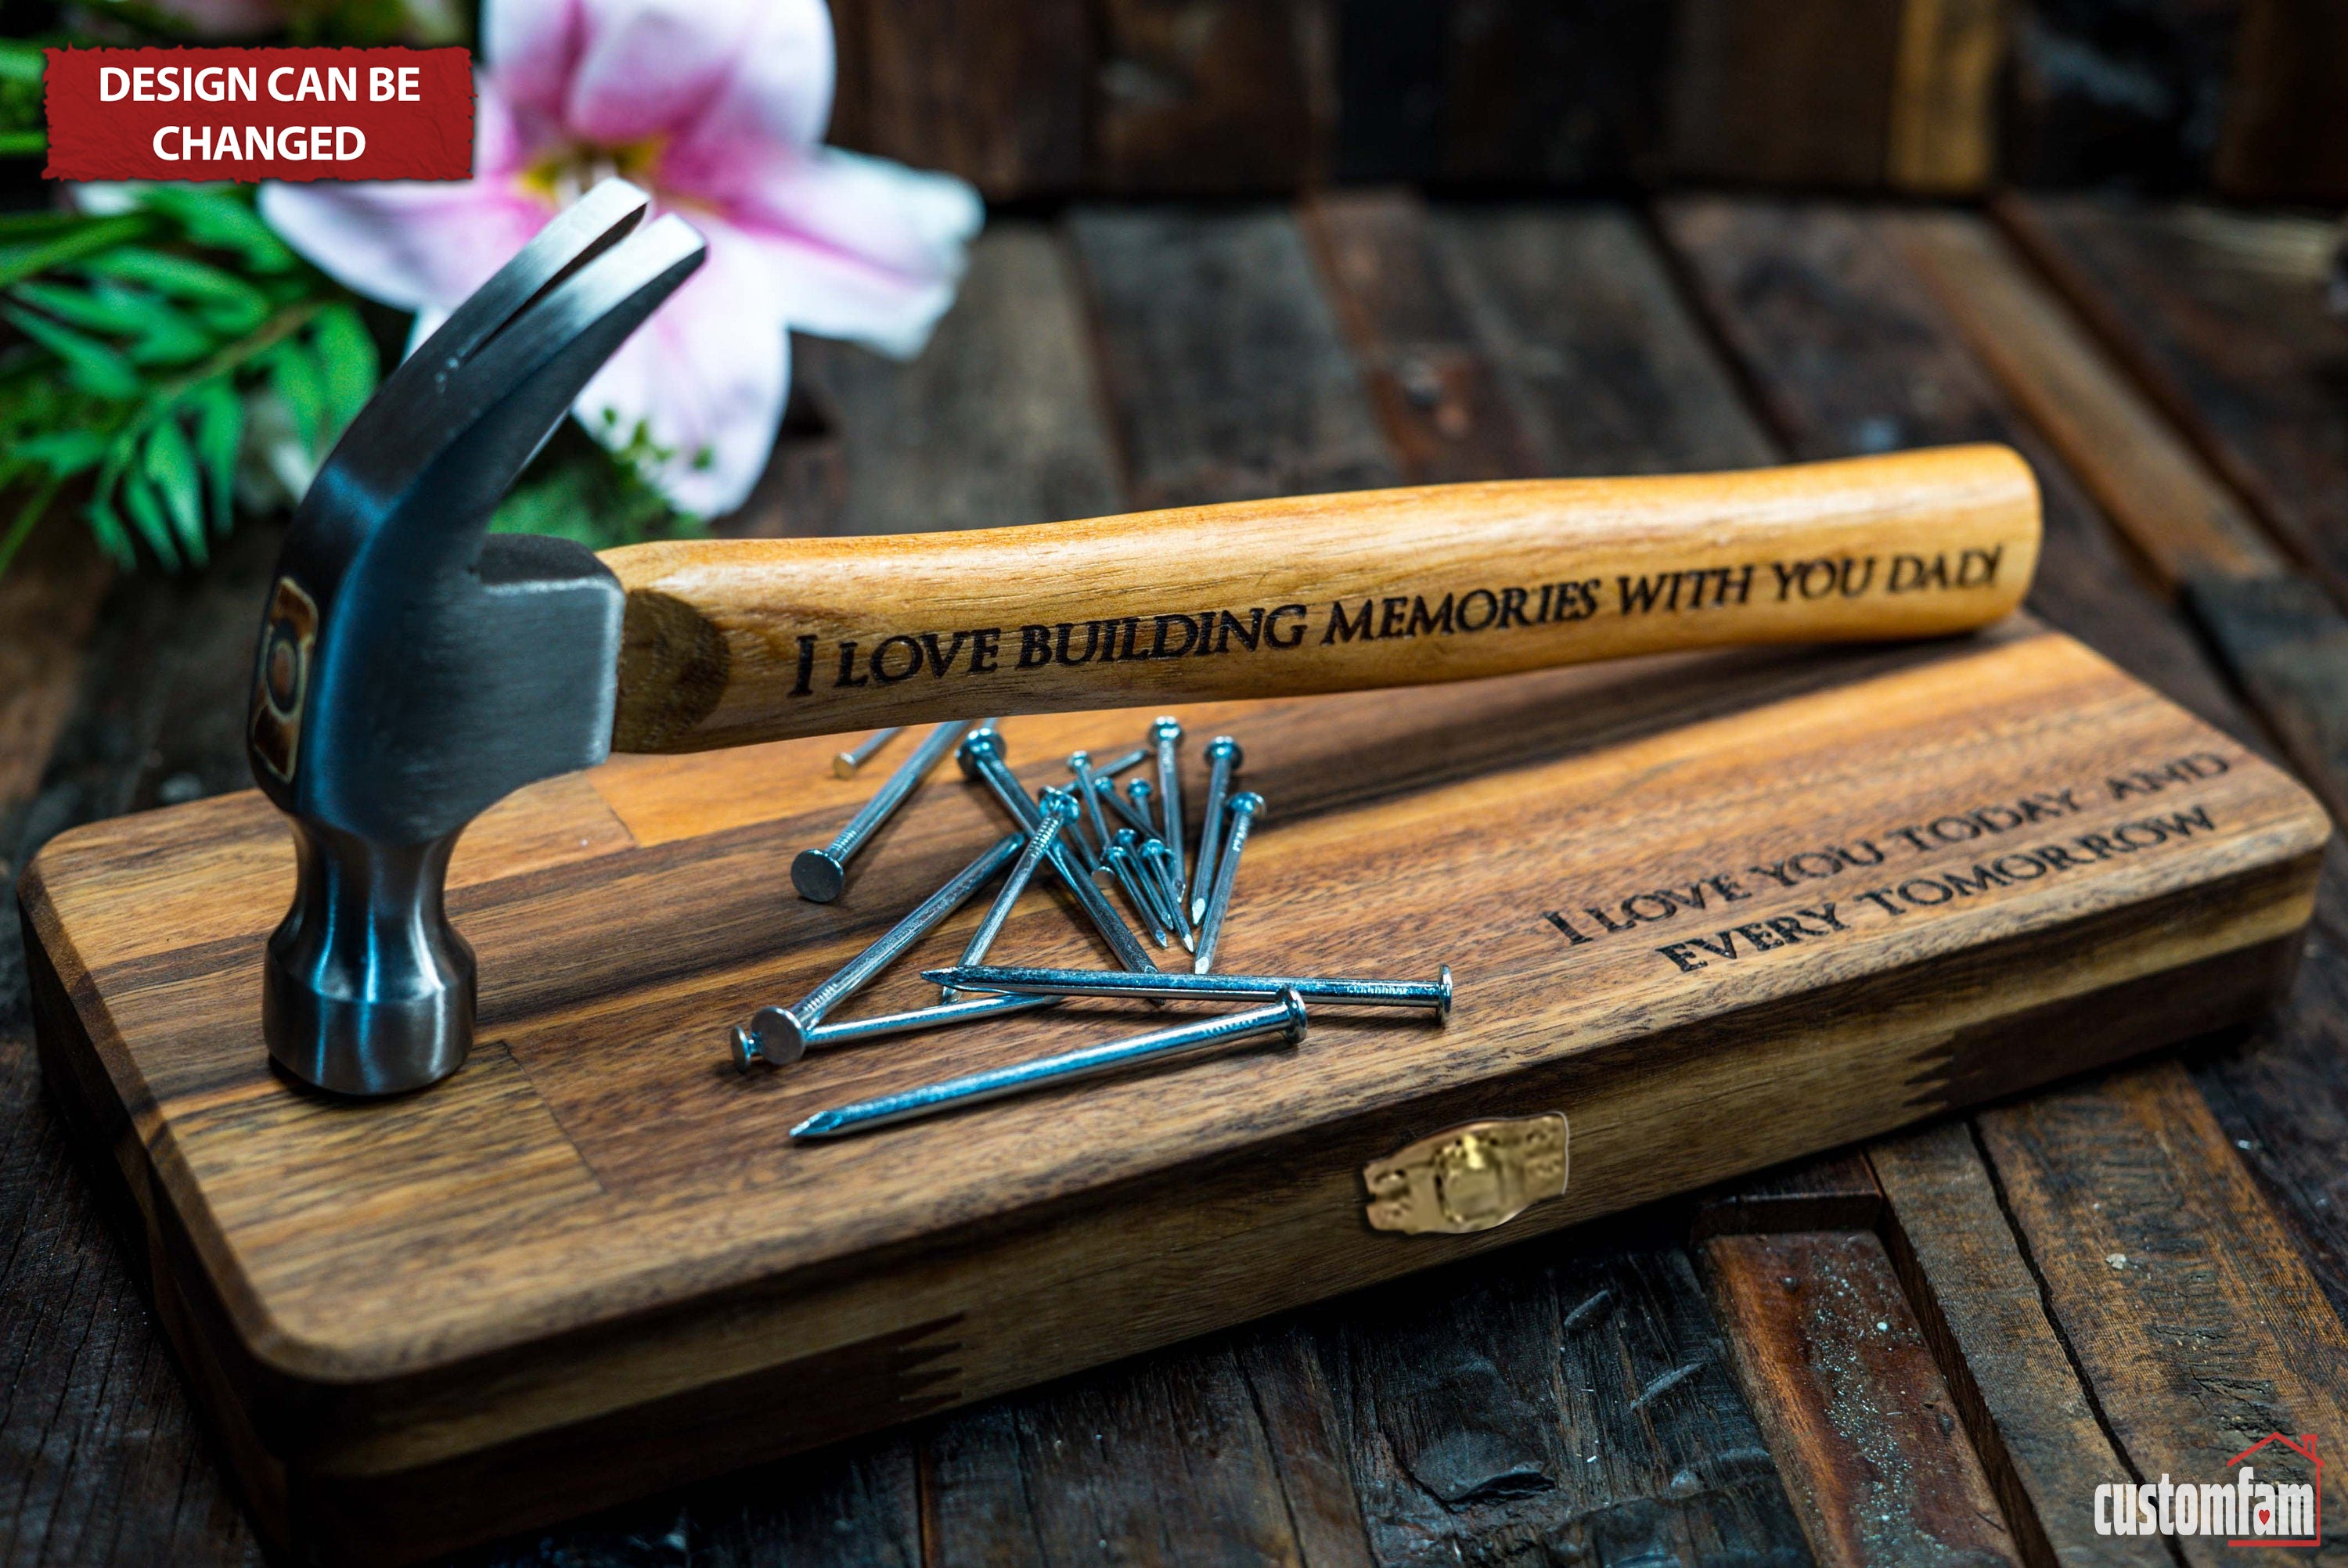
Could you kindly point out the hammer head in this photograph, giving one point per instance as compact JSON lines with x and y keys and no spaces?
{"x":414,"y":669}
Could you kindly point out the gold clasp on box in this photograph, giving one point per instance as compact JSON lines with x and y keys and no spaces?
{"x":1470,"y":1178}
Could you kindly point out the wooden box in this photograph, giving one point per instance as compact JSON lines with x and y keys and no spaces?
{"x":1713,"y":911}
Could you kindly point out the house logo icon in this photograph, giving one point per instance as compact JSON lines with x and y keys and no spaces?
{"x":2304,"y":1447}
{"x":2272,"y":1496}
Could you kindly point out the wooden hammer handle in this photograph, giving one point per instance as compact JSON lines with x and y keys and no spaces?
{"x":729,"y":641}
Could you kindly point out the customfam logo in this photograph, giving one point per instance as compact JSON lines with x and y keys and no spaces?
{"x":2246,"y":1511}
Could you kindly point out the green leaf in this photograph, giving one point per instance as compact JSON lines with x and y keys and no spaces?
{"x":39,"y":223}
{"x":222,"y":219}
{"x":105,"y":527}
{"x":90,"y":364}
{"x":232,"y":318}
{"x":163,"y":335}
{"x":229,"y":304}
{"x":346,"y":356}
{"x":63,"y":453}
{"x":220,"y":436}
{"x":293,"y":376}
{"x":172,"y":465}
{"x":111,"y":311}
{"x":22,"y":61}
{"x":577,"y":489}
{"x":147,"y":517}
{"x":84,"y":237}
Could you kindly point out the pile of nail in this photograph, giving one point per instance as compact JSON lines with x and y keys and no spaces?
{"x":1066,"y":828}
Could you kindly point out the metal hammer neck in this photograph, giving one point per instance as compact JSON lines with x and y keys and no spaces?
{"x":369,"y":990}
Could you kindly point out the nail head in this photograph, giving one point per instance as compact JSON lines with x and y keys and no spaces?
{"x":778,"y":1036}
{"x":818,"y":876}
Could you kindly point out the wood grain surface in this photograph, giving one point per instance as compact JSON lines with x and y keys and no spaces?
{"x":1572,"y":1402}
{"x":564,"y":1182}
{"x":2181,"y":1297}
{"x":49,"y":600}
{"x":2286,"y":107}
{"x":2153,"y":489}
{"x":732,"y":642}
{"x":2219,"y":317}
{"x":1213,"y":97}
{"x":1978,"y":1303}
{"x":1051,"y":99}
{"x":1766,"y":267}
{"x":1221,"y":360}
{"x":995,"y":423}
{"x":994,"y":93}
{"x":1942,"y":136}
{"x":1786,"y":90}
{"x":1830,"y":341}
{"x":1846,"y":1388}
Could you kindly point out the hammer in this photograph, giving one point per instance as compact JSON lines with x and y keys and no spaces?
{"x":414,"y":669}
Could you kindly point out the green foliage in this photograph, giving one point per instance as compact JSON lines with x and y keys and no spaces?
{"x":21,"y":128}
{"x":145,"y":343}
{"x":576,"y":489}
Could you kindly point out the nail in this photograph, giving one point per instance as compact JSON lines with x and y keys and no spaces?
{"x":1435,"y":996}
{"x":1076,"y":838}
{"x":1119,"y":862}
{"x":1244,"y":807}
{"x":791,"y":1024}
{"x":1151,"y":884}
{"x":1167,"y":877}
{"x":1059,"y":812}
{"x":980,"y":755}
{"x":1080,"y":764}
{"x":819,"y":873}
{"x":1223,"y":759}
{"x":1110,"y":770}
{"x":1108,"y":792}
{"x":1285,"y":1017}
{"x":1145,"y":806}
{"x":748,"y":1051}
{"x":844,"y":765}
{"x":1168,"y":734}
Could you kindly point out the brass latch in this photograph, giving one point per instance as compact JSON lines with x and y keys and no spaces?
{"x":1470,"y":1178}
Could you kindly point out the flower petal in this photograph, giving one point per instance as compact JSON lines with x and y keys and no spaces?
{"x":409,"y":244}
{"x":859,"y":247}
{"x":534,"y":46}
{"x":226,"y":18}
{"x":705,"y":377}
{"x":778,"y":94}
{"x":650,"y":67}
{"x":416,"y":243}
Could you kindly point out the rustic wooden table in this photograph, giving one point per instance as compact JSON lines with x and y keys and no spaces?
{"x":1928,"y":1350}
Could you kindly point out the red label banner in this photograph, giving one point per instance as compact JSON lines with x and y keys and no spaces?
{"x":260,"y":114}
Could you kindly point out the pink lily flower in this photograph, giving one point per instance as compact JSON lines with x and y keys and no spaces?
{"x":716,"y":108}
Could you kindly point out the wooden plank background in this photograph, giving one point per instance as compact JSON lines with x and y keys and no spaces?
{"x":1922,"y":1352}
{"x":1199,"y":98}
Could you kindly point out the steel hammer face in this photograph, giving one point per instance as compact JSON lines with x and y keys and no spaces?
{"x":413,"y":669}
